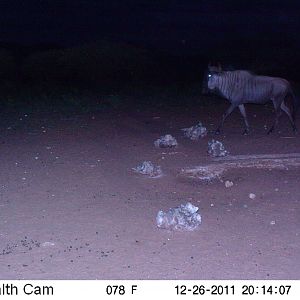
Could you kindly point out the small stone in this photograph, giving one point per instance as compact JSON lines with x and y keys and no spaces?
{"x":167,"y":141}
{"x":147,"y":168}
{"x":228,"y":183}
{"x":195,"y":132}
{"x":47,"y":244}
{"x":216,"y":149}
{"x":252,"y":196}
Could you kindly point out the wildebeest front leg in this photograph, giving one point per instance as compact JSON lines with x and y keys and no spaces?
{"x":227,"y":113}
{"x":243,"y":113}
{"x":277,"y":115}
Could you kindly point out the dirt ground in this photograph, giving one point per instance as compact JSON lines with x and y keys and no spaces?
{"x":72,"y":208}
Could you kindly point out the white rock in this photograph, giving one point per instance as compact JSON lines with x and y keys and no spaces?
{"x":195,"y":132}
{"x":216,"y":149}
{"x":147,"y":168}
{"x":47,"y":244}
{"x":183,"y":217}
{"x":252,"y":196}
{"x":167,"y":141}
{"x":228,"y":183}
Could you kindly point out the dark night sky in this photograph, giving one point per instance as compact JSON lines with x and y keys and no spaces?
{"x":167,"y":25}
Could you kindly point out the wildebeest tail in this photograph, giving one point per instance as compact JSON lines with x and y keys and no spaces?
{"x":296,"y":103}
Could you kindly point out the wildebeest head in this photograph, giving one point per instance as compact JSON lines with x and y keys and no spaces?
{"x":212,"y":81}
{"x":211,"y":69}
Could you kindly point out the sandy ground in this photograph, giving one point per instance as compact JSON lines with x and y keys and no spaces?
{"x":72,"y":208}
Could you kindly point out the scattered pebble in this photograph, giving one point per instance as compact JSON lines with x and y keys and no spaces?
{"x":272,"y":222}
{"x":228,"y":183}
{"x":195,"y":132}
{"x":184,"y":217}
{"x":167,"y":141}
{"x":216,"y":149}
{"x":252,"y":196}
{"x":47,"y":244}
{"x":147,"y":168}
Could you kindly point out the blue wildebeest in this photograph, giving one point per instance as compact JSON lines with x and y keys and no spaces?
{"x":240,"y":87}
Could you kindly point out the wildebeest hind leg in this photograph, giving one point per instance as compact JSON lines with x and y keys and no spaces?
{"x":226,"y":114}
{"x":288,"y":112}
{"x":243,"y":112}
{"x":277,"y":115}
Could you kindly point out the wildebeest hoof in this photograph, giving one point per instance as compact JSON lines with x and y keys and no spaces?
{"x":270,"y":130}
{"x":295,"y":130}
{"x":246,"y":132}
